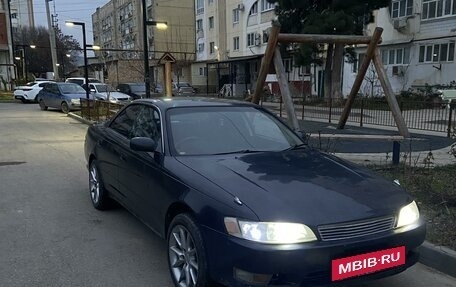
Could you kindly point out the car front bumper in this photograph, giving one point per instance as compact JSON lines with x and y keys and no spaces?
{"x":307,"y":264}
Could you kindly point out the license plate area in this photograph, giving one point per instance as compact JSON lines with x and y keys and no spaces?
{"x":362,"y":264}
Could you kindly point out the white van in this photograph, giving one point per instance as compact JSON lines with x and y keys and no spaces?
{"x":81,"y":80}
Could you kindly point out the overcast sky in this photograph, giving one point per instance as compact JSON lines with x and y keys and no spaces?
{"x":76,"y":10}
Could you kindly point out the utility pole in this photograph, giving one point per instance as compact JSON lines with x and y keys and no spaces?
{"x":52,"y":41}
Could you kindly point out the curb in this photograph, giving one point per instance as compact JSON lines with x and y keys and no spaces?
{"x":79,"y":119}
{"x":439,"y":258}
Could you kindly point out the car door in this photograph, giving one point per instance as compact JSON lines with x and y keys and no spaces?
{"x":143,"y":175}
{"x":51,"y":96}
{"x":111,"y":152}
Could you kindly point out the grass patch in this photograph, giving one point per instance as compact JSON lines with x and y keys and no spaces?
{"x":435,"y":191}
{"x":6,"y":96}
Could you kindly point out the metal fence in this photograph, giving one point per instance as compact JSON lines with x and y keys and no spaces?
{"x":422,"y":115}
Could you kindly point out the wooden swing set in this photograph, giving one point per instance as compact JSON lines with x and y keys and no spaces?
{"x":272,"y":60}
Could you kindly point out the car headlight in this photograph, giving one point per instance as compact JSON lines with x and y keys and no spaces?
{"x":269,"y":232}
{"x":75,"y":101}
{"x":408,"y":214}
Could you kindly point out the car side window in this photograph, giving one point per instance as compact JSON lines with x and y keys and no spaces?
{"x":52,"y":88}
{"x":43,"y":85}
{"x":123,"y":123}
{"x":148,"y":124}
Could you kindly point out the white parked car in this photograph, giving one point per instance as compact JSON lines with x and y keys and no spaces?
{"x":106,"y":92}
{"x":28,"y":92}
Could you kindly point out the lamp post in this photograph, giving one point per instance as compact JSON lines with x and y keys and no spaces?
{"x":84,"y":48}
{"x":24,"y":58}
{"x":159,"y":25}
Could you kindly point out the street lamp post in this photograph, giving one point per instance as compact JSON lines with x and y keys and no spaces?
{"x":84,"y":48}
{"x":24,"y":59}
{"x":159,"y":25}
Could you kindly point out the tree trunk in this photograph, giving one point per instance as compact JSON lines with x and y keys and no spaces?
{"x":336,"y":77}
{"x":328,"y":67}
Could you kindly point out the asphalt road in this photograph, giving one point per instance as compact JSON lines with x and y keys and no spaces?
{"x":51,"y":236}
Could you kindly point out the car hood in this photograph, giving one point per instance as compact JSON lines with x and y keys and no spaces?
{"x":301,"y":186}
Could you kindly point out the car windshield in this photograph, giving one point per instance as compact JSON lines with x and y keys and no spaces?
{"x":222,"y":130}
{"x":138,"y":88}
{"x":71,"y":89}
{"x":104,"y":88}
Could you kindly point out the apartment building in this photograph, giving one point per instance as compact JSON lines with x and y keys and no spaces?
{"x":22,"y":13}
{"x":7,"y":70}
{"x":117,"y":29}
{"x":418,"y":46}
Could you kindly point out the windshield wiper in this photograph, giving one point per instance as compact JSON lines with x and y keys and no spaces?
{"x":296,"y":146}
{"x":239,"y":151}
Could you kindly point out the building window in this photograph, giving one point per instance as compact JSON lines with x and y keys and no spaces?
{"x":266,"y":6}
{"x":250,"y":39}
{"x":254,"y":9}
{"x":236,"y":43}
{"x":400,"y":56}
{"x":199,"y":7}
{"x":437,"y":53}
{"x":203,"y":71}
{"x":401,"y":8}
{"x":212,"y":47}
{"x":236,"y":15}
{"x":358,"y":61}
{"x":438,"y":8}
{"x":211,"y":22}
{"x":200,"y":47}
{"x":199,"y":25}
{"x":210,"y":2}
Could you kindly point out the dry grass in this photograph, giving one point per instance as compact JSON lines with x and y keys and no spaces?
{"x":435,"y":191}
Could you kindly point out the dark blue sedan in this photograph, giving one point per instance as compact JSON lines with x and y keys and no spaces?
{"x":243,"y":201}
{"x":63,"y":96}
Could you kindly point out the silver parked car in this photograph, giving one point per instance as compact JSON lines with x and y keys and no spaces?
{"x":183,"y":89}
{"x":106,"y":92}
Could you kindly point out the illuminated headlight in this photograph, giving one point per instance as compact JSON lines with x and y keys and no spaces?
{"x":269,"y":232}
{"x":408,"y":214}
{"x":76,"y":101}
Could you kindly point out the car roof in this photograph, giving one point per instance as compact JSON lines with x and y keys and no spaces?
{"x":176,"y":102}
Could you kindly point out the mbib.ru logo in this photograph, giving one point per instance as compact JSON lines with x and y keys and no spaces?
{"x":367,"y":263}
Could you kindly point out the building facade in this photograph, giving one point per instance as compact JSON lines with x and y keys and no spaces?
{"x":417,"y":49}
{"x":22,"y":13}
{"x":117,"y":29}
{"x":231,"y":38}
{"x":7,"y":68}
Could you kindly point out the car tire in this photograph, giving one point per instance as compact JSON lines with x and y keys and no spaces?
{"x":98,"y":194}
{"x":43,"y":106}
{"x":186,"y":258}
{"x":65,"y":108}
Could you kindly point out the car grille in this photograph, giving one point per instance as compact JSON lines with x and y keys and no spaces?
{"x":353,"y":229}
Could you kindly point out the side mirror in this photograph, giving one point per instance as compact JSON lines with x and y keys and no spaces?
{"x":92,"y":90}
{"x":143,"y":144}
{"x":304,"y":136}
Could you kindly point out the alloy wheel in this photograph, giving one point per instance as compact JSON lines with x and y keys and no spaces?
{"x":183,"y":257}
{"x":65,"y":108}
{"x":94,"y":184}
